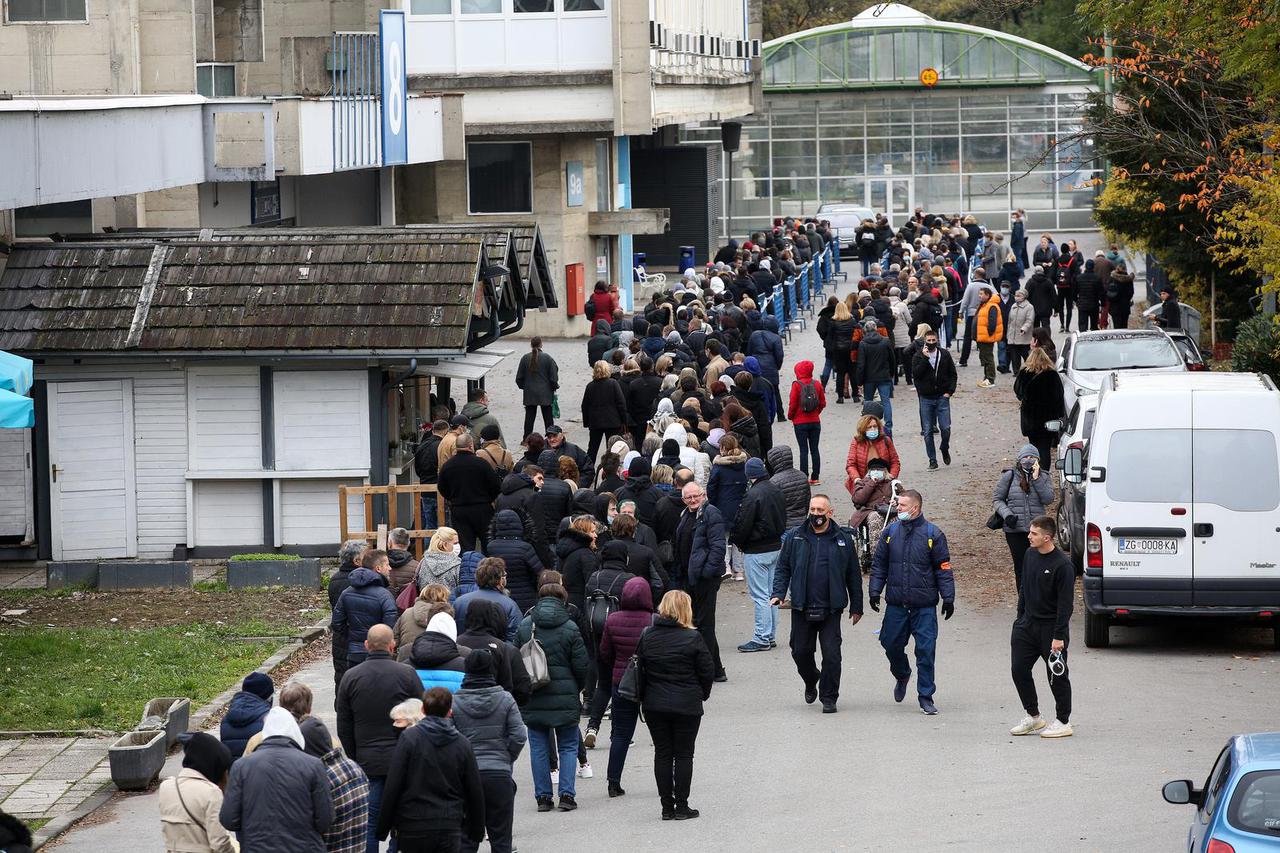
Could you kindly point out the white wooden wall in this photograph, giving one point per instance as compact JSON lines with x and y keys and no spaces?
{"x":321,"y":419}
{"x":224,"y":418}
{"x":15,"y":483}
{"x":228,"y":512}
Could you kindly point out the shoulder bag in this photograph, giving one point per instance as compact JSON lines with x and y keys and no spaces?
{"x":995,"y":522}
{"x":535,"y":659}
{"x":631,"y":687}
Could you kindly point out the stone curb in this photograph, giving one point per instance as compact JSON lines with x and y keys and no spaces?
{"x":199,"y":719}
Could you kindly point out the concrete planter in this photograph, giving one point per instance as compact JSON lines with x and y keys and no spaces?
{"x":136,"y":759}
{"x":157,"y":574}
{"x":174,"y":711}
{"x":61,"y":575}
{"x":242,"y":574}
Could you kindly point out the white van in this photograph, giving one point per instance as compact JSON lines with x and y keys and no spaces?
{"x":1182,"y":499}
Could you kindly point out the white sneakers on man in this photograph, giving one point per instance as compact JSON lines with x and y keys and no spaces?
{"x":1028,"y":726}
{"x":1057,"y":729}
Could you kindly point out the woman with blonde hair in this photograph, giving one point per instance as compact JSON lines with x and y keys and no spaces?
{"x":442,"y":560}
{"x":604,"y":407}
{"x":869,"y":442}
{"x":678,"y":674}
{"x":839,"y":344}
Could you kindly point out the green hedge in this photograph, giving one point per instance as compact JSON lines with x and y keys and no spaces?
{"x":244,"y":558}
{"x":1257,"y":346}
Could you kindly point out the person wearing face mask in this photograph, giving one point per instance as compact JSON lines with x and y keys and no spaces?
{"x":819,"y":565}
{"x":1018,"y":324}
{"x":869,"y":442}
{"x":912,"y":567}
{"x":442,"y":561}
{"x":869,"y":493}
{"x":1021,"y":495}
{"x":935,"y":377}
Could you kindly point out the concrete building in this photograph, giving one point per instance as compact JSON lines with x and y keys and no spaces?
{"x":851,"y":116}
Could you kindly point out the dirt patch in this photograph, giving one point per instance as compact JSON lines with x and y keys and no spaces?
{"x":269,"y":611}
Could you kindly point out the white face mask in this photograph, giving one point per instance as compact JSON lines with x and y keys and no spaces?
{"x":457,"y":548}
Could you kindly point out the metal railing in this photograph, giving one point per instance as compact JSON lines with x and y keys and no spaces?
{"x":356,"y":89}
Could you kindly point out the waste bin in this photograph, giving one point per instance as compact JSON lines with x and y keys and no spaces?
{"x":686,"y":258}
{"x":637,"y":262}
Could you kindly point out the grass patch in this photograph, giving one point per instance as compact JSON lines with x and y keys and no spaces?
{"x":36,"y":823}
{"x":101,"y":677}
{"x":211,"y":585}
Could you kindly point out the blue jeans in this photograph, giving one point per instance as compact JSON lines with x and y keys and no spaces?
{"x":429,"y":511}
{"x":826,"y":369}
{"x":901,"y":623}
{"x":759,"y":571}
{"x":807,"y":436}
{"x":886,"y":393}
{"x":540,"y":758}
{"x":376,"y":786}
{"x":935,"y":410}
{"x":1002,"y":356}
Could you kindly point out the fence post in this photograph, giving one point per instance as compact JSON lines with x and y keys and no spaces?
{"x":342,"y":513}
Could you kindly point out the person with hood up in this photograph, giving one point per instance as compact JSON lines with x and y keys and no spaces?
{"x":434,"y":794}
{"x":640,"y":488}
{"x":663,"y":417}
{"x":757,"y":530}
{"x":741,"y":425}
{"x":603,"y":591}
{"x":435,"y":655}
{"x":600,"y":342}
{"x":189,"y":802}
{"x":874,"y":370}
{"x":749,"y":398}
{"x":433,"y":599}
{"x":477,"y":411}
{"x":348,"y":561}
{"x":725,"y":489}
{"x":1018,"y":327}
{"x":604,"y":408}
{"x":622,"y":630}
{"x":688,"y":456}
{"x":365,"y":603}
{"x":793,"y":484}
{"x":1089,"y":295}
{"x":763,"y":387}
{"x":466,"y":574}
{"x":246,"y":712}
{"x":1020,"y":497}
{"x":277,"y":799}
{"x":807,"y":400}
{"x":491,"y":578}
{"x":487,"y":630}
{"x":404,"y":569}
{"x":1041,"y":295}
{"x":766,"y":347}
{"x":442,"y":560}
{"x":487,"y":716}
{"x":555,"y":708}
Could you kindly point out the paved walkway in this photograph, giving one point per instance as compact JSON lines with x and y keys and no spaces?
{"x":22,"y":576}
{"x":48,"y":777}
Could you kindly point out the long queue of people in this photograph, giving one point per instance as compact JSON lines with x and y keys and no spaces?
{"x":565,"y":583}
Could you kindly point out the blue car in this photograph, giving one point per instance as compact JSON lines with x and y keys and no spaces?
{"x":1238,"y":810}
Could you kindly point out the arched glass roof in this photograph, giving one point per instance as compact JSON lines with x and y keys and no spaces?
{"x":890,"y":50}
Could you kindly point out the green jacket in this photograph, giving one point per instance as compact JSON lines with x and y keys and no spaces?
{"x":556,"y":704}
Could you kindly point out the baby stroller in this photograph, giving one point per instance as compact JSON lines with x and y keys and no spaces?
{"x":875,"y":500}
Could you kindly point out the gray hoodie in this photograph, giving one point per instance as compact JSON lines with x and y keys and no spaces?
{"x":489,"y":718}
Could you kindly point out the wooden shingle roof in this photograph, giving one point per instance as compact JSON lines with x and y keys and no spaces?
{"x":303,"y":293}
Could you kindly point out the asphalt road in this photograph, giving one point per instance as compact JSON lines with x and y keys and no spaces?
{"x":775,"y":774}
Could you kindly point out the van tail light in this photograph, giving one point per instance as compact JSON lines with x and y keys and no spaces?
{"x":1216,"y":846}
{"x":1198,"y":365}
{"x":1093,"y":546}
{"x":1265,"y":614}
{"x":1076,"y":445}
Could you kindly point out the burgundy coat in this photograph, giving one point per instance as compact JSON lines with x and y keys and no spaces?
{"x":623,"y":628}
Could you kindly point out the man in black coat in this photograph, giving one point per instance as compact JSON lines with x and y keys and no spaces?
{"x":757,"y":529}
{"x":434,"y":794}
{"x":640,"y":488}
{"x":563,"y":447}
{"x":348,"y":561}
{"x":366,"y":696}
{"x":875,"y":368}
{"x":426,"y":464}
{"x":1170,"y":316}
{"x":470,"y":485}
{"x":934,"y":373}
{"x":642,"y":398}
{"x":1089,"y":293}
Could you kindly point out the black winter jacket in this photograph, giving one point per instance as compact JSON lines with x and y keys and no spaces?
{"x":433,"y":784}
{"x":523,"y":563}
{"x":875,"y":359}
{"x":678,"y":670}
{"x":557,"y":703}
{"x":844,"y":573}
{"x":467,"y":480}
{"x":426,"y":459}
{"x":1040,"y":293}
{"x":793,"y":484}
{"x":1041,"y":396}
{"x":278,"y":800}
{"x":1089,"y":291}
{"x":641,"y":490}
{"x":365,"y":698}
{"x":576,"y":562}
{"x":486,"y":628}
{"x":761,"y":519}
{"x":365,"y":603}
{"x":642,"y":397}
{"x":931,"y":382}
{"x":643,"y":562}
{"x":748,"y":433}
{"x":839,"y":339}
{"x":554,"y":502}
{"x":603,"y":406}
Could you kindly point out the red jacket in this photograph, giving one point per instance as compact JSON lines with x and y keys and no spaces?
{"x":804,"y":375}
{"x":855,"y":464}
{"x":604,"y":307}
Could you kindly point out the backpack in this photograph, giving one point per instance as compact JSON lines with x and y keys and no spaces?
{"x":600,"y":603}
{"x":808,"y":397}
{"x":535,"y":660}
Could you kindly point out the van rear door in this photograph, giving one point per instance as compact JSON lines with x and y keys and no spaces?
{"x":1143,"y":506}
{"x":1236,"y":511}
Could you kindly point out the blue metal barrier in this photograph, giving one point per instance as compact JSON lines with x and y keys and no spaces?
{"x":777,"y":301}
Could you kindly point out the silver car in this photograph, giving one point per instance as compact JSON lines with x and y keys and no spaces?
{"x":1087,"y":358}
{"x":845,"y":219}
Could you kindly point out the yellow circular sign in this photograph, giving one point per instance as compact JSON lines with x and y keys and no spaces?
{"x":929,"y":77}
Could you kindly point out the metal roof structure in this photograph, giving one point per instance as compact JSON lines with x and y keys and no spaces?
{"x":359,"y":293}
{"x":889,"y":45}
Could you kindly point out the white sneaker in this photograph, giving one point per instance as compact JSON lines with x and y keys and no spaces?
{"x":584,"y":771}
{"x":738,"y":576}
{"x":1057,"y":729}
{"x":983,"y":383}
{"x":1028,"y":726}
{"x":555,"y":777}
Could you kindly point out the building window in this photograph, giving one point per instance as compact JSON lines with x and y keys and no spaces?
{"x":584,"y":5}
{"x":481,"y":7}
{"x":215,"y":81}
{"x":500,"y":177}
{"x":526,"y":6}
{"x":63,"y":217}
{"x":604,"y":174}
{"x":430,"y":7}
{"x":46,"y":10}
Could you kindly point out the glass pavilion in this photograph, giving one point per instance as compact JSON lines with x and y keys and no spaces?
{"x":847,"y":119}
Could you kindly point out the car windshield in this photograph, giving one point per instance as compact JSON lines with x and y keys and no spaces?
{"x":1255,"y":805}
{"x":1126,"y":353}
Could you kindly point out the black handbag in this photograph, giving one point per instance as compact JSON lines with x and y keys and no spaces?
{"x":995,"y":522}
{"x":631,"y":687}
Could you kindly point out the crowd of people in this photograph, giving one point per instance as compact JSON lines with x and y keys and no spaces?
{"x":565,"y":584}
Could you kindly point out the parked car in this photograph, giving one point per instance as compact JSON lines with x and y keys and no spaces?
{"x":1076,"y":429}
{"x":1238,"y":809}
{"x":1190,"y":350}
{"x":1181,"y":480}
{"x":1087,"y":357}
{"x":844,"y":219}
